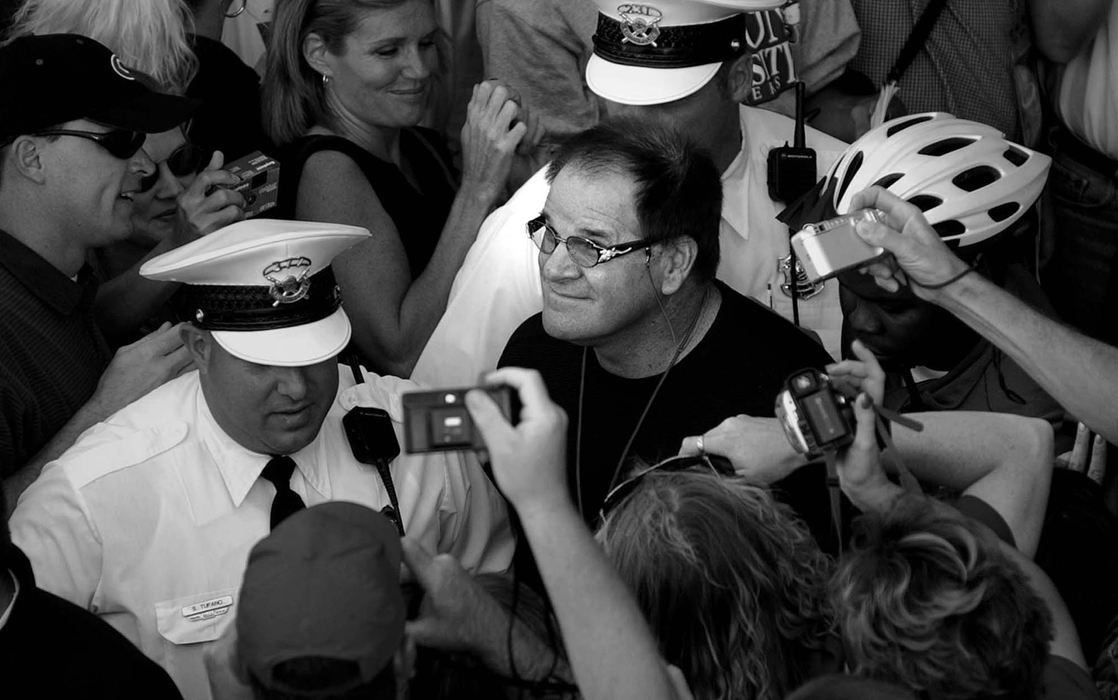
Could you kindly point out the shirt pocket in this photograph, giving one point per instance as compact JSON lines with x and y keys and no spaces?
{"x":197,"y":618}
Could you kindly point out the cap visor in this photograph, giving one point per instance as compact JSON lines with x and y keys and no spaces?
{"x":297,"y":346}
{"x":635,"y":85}
{"x":150,"y":113}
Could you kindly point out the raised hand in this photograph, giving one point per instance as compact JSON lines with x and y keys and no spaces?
{"x":528,"y":459}
{"x":920,"y":258}
{"x":490,"y":137}
{"x":209,"y":203}
{"x":138,"y":368}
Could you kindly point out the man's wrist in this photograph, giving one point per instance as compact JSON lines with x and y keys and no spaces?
{"x":960,"y":293}
{"x":544,"y":508}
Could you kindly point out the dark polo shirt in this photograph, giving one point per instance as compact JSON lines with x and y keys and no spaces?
{"x":51,"y":351}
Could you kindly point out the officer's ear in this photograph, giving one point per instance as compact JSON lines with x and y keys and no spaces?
{"x":199,"y":344}
{"x":737,"y":77}
{"x":674,"y":262}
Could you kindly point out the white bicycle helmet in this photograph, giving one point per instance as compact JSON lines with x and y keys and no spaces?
{"x":970,"y":182}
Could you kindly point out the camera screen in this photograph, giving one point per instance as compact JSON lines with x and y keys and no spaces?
{"x":825,"y":421}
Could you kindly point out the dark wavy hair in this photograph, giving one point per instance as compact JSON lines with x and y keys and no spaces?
{"x":679,"y":188}
{"x":732,"y":584}
{"x":925,"y":598}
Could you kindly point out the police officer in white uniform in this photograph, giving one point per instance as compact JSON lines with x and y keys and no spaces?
{"x":149,"y":518}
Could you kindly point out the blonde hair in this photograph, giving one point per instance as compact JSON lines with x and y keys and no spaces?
{"x":925,"y":599}
{"x":148,"y":35}
{"x":732,"y":584}
{"x":292,"y":95}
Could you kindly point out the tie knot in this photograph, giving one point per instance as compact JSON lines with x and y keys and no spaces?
{"x":278,"y":470}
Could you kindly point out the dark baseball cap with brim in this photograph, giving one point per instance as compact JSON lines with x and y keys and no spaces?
{"x":50,"y":79}
{"x":325,"y":583}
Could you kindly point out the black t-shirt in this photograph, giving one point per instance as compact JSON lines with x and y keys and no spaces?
{"x":50,"y":648}
{"x":738,"y":367}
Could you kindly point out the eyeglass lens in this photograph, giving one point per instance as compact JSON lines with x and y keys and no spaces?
{"x":581,"y":251}
{"x":187,"y":159}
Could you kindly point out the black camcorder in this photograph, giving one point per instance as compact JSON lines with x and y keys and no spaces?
{"x":816,"y":418}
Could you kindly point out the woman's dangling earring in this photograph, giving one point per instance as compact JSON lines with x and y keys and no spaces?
{"x":238,"y":11}
{"x":325,"y":80}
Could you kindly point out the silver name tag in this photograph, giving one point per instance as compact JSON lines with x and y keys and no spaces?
{"x":208,"y":608}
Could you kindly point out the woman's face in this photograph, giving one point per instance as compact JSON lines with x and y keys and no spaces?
{"x":153,"y":212}
{"x":385,"y":73}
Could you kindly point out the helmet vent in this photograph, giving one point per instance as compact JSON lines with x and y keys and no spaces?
{"x":1016,"y":156}
{"x":889,"y":180}
{"x":951,"y":227}
{"x":945,"y":146}
{"x":851,"y":171}
{"x":924,"y":202}
{"x":907,"y":123}
{"x":976,"y":178}
{"x":1004,"y":211}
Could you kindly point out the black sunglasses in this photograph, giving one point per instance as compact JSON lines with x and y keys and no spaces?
{"x":121,"y":143}
{"x":187,"y":159}
{"x":720,"y":466}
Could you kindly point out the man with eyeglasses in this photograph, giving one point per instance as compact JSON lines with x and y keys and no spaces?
{"x":73,"y":122}
{"x":692,"y":63}
{"x":637,"y":341}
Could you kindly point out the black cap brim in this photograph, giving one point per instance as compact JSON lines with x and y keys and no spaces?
{"x":150,"y":112}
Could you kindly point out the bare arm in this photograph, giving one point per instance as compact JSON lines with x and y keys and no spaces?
{"x":1062,"y":28}
{"x":1079,"y":372}
{"x":1004,"y":460}
{"x":611,"y":650}
{"x":392,"y":314}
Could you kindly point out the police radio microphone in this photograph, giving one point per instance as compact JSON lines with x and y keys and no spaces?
{"x":792,"y":168}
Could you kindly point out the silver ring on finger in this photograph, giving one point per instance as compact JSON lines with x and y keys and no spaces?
{"x":699,"y":445}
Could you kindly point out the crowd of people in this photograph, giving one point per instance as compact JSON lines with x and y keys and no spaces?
{"x":240,"y":450}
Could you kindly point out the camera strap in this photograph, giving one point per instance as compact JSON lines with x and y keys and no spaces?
{"x":379,"y":463}
{"x":921,"y":30}
{"x":834,"y":491}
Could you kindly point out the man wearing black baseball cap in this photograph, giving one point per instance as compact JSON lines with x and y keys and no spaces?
{"x":73,"y":123}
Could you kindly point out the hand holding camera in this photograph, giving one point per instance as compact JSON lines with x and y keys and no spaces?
{"x":529,"y":458}
{"x":209,"y":203}
{"x":919,"y":255}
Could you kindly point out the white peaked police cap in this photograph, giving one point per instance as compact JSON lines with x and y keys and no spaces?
{"x":264,"y":288}
{"x":664,"y":50}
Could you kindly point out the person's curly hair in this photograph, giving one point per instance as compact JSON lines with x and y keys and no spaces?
{"x":732,"y":584}
{"x":925,"y":598}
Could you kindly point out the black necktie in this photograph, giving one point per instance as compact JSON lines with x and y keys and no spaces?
{"x":278,"y":471}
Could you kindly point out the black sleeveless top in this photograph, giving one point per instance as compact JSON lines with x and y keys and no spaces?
{"x":419,"y":215}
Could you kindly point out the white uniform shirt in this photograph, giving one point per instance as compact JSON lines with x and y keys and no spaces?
{"x":149,"y":518}
{"x":498,"y":285}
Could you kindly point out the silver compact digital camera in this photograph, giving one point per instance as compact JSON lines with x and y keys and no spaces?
{"x":829,"y":247}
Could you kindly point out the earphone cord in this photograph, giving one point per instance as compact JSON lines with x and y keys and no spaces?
{"x":647,"y":407}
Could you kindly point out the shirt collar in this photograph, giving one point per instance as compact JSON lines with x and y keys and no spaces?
{"x":240,"y":467}
{"x":735,"y":205}
{"x":44,"y":280}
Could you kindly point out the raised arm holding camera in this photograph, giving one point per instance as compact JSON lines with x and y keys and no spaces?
{"x":611,"y":651}
{"x":1079,"y":372}
{"x":1002,"y":460}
